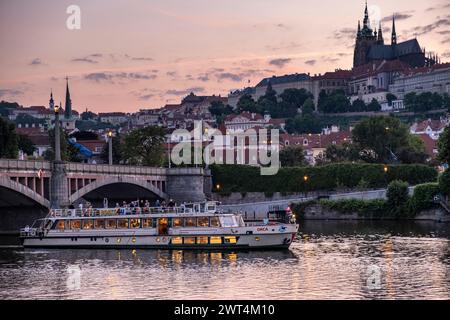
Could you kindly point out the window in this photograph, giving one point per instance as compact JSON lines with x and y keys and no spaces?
{"x":215,"y":240}
{"x":177,"y":222}
{"x":177,"y":240}
{"x":88,"y":224}
{"x":147,"y":223}
{"x":202,"y":240}
{"x":99,"y":223}
{"x":202,"y":222}
{"x":75,"y":224}
{"x":189,"y":240}
{"x":135,"y":223}
{"x":190,"y":222}
{"x":215,"y":222}
{"x":111,"y":224}
{"x":228,"y":221}
{"x":229,"y":239}
{"x":122,"y":223}
{"x":60,"y":225}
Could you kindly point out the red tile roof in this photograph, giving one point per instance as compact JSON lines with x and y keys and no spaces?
{"x":430,"y":144}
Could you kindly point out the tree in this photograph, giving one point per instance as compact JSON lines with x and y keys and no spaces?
{"x":397,"y":195}
{"x":145,"y":146}
{"x":68,"y":152}
{"x":444,"y":182}
{"x":116,"y":151}
{"x":381,"y":136}
{"x":84,"y":135}
{"x":295,"y":97}
{"x":374,"y":105}
{"x":358,"y":106}
{"x":390,"y":97}
{"x":218,"y":109}
{"x":335,"y":153}
{"x":88,"y":115}
{"x":444,"y":146}
{"x":8,"y":140}
{"x":6,"y":106}
{"x":25,"y":144}
{"x":246,"y":103}
{"x":336,"y":102}
{"x":293,"y":156}
{"x":268,"y":102}
{"x":414,"y":152}
{"x":308,"y":107}
{"x":303,"y":124}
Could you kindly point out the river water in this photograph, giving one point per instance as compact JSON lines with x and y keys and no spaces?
{"x":329,"y":260}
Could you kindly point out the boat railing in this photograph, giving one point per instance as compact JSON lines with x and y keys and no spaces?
{"x":93,"y":212}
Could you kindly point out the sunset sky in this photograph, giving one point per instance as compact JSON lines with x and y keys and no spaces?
{"x":134,"y":54}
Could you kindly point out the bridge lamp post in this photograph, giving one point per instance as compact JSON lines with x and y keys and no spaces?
{"x":57,"y":136}
{"x":110,"y":135}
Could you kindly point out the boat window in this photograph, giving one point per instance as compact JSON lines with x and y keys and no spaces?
{"x":147,"y":223}
{"x":177,"y":240}
{"x":189,"y":222}
{"x":202,"y":222}
{"x":122,"y":223}
{"x":99,"y":223}
{"x":75,"y":224}
{"x":177,"y":222}
{"x":135,"y":223}
{"x":215,"y":222}
{"x":229,"y":239}
{"x":88,"y":224}
{"x":228,"y":221}
{"x":60,"y":225}
{"x":215,"y":240}
{"x":110,"y":223}
{"x":202,"y":240}
{"x":211,"y":207}
{"x":189,"y":240}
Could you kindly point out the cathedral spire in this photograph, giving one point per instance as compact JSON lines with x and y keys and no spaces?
{"x":68,"y":106}
{"x":366,"y":16}
{"x":394,"y":34}
{"x":380,"y":35}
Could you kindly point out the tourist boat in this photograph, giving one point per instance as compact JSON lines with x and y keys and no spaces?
{"x":190,"y":226}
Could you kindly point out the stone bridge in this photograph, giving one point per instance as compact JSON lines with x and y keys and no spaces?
{"x":27,"y":182}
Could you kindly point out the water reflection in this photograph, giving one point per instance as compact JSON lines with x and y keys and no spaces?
{"x":413,"y":261}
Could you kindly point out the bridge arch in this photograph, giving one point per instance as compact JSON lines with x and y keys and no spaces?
{"x":7,"y":183}
{"x":115,"y":180}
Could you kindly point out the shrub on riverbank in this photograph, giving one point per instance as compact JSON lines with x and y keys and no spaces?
{"x":238,"y":178}
{"x":444,"y":183}
{"x":423,"y":197}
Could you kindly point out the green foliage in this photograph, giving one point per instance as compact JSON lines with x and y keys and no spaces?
{"x":84,"y":135}
{"x":336,"y":102}
{"x":292,"y":157}
{"x":424,"y":102}
{"x":8,"y":140}
{"x":423,"y":197}
{"x":236,"y":178}
{"x":358,"y":106}
{"x":444,"y":146}
{"x":397,"y":194}
{"x":88,"y":115}
{"x":444,"y":182}
{"x":390,"y":97}
{"x":218,"y":109}
{"x":307,"y":123}
{"x":145,"y":146}
{"x":308,"y":107}
{"x":25,"y":144}
{"x":68,"y":152}
{"x":246,"y":103}
{"x":5,"y":107}
{"x":374,"y":105}
{"x":116,"y":151}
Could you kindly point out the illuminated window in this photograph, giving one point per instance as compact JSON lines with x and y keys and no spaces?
{"x":203,"y":222}
{"x":75,"y":224}
{"x":177,"y":222}
{"x":147,"y":223}
{"x":215,"y":222}
{"x":229,"y":239}
{"x":60,"y":225}
{"x":88,"y":224}
{"x":257,"y":238}
{"x":202,"y":240}
{"x":177,"y":240}
{"x":189,"y":240}
{"x":190,"y":222}
{"x":135,"y":223}
{"x":215,"y":240}
{"x":99,"y":224}
{"x":122,"y":223}
{"x":111,"y":224}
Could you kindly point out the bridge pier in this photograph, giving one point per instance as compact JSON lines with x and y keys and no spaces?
{"x":58,"y":190}
{"x":186,"y":184}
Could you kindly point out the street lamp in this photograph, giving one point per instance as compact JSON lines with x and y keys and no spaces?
{"x":218,"y":187}
{"x":110,"y":134}
{"x":57,"y":136}
{"x":386,"y":169}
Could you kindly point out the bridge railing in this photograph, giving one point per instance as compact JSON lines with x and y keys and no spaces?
{"x":14,"y":164}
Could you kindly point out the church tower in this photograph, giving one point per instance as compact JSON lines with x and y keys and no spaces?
{"x":365,"y":38}
{"x":380,"y":39}
{"x":68,"y":106}
{"x":394,"y":33}
{"x":51,"y":103}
